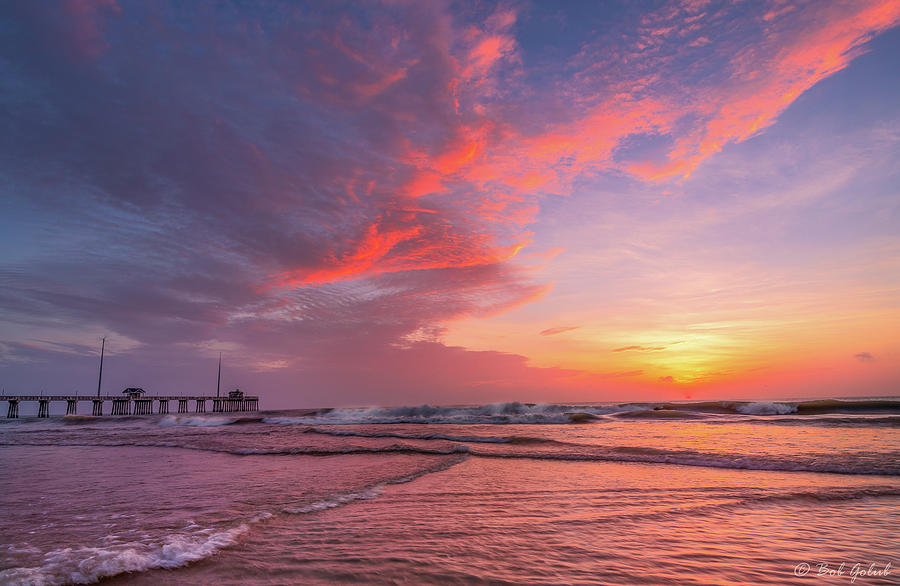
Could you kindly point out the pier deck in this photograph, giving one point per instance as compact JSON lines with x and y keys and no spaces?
{"x":131,"y":405}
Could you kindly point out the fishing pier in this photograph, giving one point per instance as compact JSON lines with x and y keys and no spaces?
{"x":134,"y":401}
{"x":133,"y":405}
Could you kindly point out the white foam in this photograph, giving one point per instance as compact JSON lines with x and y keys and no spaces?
{"x":84,"y":565}
{"x":766,"y":409}
{"x":336,"y":501}
{"x":195,"y":421}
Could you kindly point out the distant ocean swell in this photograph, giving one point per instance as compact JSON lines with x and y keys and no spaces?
{"x":530,"y":413}
{"x":86,"y":565}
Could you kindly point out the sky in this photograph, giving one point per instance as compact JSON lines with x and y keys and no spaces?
{"x":389,"y":203}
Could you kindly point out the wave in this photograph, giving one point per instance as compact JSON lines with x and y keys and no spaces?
{"x":645,"y":455}
{"x":333,"y":502}
{"x":514,"y":439}
{"x":507,"y":413}
{"x":828,"y":495}
{"x":201,"y":421}
{"x":86,"y":565}
{"x":889,"y":465}
{"x":844,"y":406}
{"x":658,"y":414}
{"x":732,"y":503}
{"x":300,"y":451}
{"x":849,"y":421}
{"x":766,"y":409}
{"x":531,"y":413}
{"x":495,"y":413}
{"x":391,"y":449}
{"x":816,"y":407}
{"x":369,"y":492}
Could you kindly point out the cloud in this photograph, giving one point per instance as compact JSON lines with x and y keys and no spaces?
{"x":558,"y":330}
{"x":314,"y":184}
{"x":646,"y":348}
{"x":666,"y":379}
{"x":625,"y":373}
{"x":864,"y":357}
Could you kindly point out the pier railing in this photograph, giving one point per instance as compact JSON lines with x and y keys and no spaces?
{"x":129,"y":405}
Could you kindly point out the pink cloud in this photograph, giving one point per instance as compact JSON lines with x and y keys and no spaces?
{"x":793,"y":51}
{"x":454,"y":152}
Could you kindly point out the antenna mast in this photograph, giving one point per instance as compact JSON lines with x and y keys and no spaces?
{"x":219,"y":377}
{"x":100,"y":378}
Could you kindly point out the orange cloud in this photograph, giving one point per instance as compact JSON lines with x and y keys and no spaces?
{"x":374,"y":245}
{"x":482,"y":178}
{"x":796,"y":50}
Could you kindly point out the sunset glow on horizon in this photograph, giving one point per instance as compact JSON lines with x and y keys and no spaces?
{"x":451,"y":203}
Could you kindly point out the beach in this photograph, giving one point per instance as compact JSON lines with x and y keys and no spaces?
{"x":506,"y":493}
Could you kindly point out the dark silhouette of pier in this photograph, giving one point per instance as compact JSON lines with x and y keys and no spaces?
{"x":133,"y":401}
{"x":135,"y":404}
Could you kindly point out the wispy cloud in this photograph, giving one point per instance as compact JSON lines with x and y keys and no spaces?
{"x":645,"y":348}
{"x":558,"y":330}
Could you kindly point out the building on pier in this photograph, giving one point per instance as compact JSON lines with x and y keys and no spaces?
{"x":134,"y":392}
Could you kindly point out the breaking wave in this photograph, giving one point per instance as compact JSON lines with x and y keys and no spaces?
{"x":201,"y":421}
{"x":531,"y":413}
{"x":85,"y":565}
{"x":506,"y":413}
{"x":766,"y":409}
{"x":495,"y":413}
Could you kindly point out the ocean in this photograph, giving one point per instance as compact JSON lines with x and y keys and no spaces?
{"x":719,"y":492}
